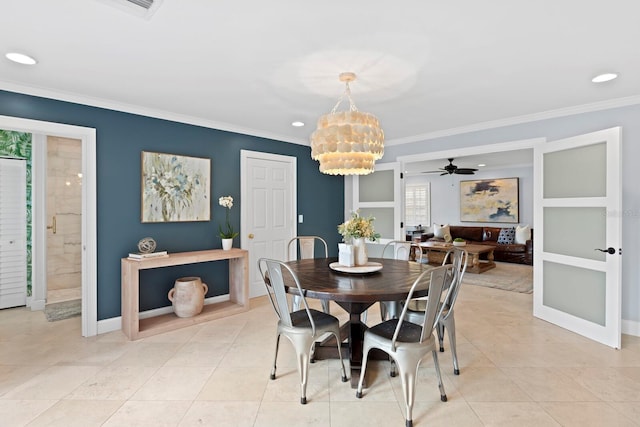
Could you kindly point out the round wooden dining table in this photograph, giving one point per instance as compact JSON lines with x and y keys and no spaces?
{"x":355,"y":293}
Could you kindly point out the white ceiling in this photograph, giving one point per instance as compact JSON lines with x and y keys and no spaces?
{"x":424,"y":67}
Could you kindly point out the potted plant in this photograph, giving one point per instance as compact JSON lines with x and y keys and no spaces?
{"x":227,"y":234}
{"x":458,"y":241}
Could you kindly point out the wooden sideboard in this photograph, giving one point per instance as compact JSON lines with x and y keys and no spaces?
{"x":135,"y":328}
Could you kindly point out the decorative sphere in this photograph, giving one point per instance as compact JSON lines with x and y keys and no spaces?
{"x":147,"y":245}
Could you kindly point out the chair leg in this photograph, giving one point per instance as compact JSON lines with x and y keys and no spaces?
{"x":344,"y":371}
{"x":275,"y":358}
{"x":408,"y":370}
{"x":436,"y":364}
{"x":303,"y":348}
{"x":363,"y":370}
{"x":295,"y":303}
{"x":451,"y":331}
{"x":440,"y":331}
{"x":303,"y":367}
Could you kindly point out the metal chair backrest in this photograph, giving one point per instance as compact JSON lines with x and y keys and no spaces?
{"x":401,"y":250}
{"x":306,"y":247}
{"x":437,"y":278}
{"x":273,"y":274}
{"x":459,"y":266}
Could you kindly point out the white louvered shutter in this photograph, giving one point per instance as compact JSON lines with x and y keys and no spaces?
{"x":13,"y":233}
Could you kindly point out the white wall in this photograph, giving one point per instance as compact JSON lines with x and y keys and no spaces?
{"x":445,"y":194}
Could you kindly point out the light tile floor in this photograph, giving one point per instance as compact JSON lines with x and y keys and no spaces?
{"x":515,"y":371}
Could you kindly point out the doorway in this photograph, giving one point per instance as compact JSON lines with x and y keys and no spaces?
{"x":268,"y":209}
{"x":64,"y":216}
{"x":87,"y":138}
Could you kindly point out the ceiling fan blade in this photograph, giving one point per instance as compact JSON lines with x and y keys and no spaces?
{"x":465,"y":171}
{"x":440,"y":171}
{"x":445,"y":173}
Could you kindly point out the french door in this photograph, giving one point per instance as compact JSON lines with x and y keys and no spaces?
{"x":380,"y":195}
{"x":577,"y":261}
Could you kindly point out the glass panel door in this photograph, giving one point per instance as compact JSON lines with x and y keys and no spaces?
{"x":576,"y":277}
{"x":379,"y":195}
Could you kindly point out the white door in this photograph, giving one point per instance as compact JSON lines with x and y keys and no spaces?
{"x":268,"y":209}
{"x":13,"y":233}
{"x":577,"y":199}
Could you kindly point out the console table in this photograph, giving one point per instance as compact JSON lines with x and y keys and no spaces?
{"x":135,"y":328}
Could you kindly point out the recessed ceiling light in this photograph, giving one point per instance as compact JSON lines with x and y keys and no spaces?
{"x":604,"y":77}
{"x":481,"y":165}
{"x":297,"y":124}
{"x":21,"y":58}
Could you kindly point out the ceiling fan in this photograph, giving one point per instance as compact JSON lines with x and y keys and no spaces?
{"x":450,"y":169}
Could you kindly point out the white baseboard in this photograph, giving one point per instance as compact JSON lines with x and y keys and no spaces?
{"x":36,"y":304}
{"x":109,"y":325}
{"x":631,"y":327}
{"x":115,"y":323}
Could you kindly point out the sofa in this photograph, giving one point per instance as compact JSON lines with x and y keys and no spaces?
{"x":520,"y":253}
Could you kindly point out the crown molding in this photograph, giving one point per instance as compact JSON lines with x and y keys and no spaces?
{"x":228,"y":127}
{"x":143,"y":111}
{"x":551,"y":114}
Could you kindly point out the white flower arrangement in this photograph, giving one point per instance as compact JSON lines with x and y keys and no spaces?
{"x":226,"y":202}
{"x":358,"y":227}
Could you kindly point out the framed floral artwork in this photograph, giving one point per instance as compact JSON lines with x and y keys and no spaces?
{"x":489,"y":200}
{"x":175,"y":188}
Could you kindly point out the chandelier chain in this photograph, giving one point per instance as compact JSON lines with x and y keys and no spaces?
{"x":347,"y":94}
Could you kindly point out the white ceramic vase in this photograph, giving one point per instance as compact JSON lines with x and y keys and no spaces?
{"x":227,"y":244}
{"x":360,"y":256}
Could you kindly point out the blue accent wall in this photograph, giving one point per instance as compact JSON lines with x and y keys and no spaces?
{"x":121,"y":137}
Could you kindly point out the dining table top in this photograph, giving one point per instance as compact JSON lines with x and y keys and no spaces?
{"x":391,"y":283}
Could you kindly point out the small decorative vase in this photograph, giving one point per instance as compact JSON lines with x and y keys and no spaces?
{"x":360,"y":256}
{"x":226,"y":244}
{"x":187,"y":296}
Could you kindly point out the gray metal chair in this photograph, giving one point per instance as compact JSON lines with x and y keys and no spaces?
{"x":406,"y":342}
{"x":305,"y":249}
{"x":401,"y":250}
{"x":301,"y":327}
{"x":459,"y":258}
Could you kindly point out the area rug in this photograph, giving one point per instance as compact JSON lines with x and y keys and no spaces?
{"x":62,"y":310}
{"x":506,"y":276}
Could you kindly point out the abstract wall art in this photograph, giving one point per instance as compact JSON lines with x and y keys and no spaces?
{"x":489,"y":200}
{"x":175,"y":188}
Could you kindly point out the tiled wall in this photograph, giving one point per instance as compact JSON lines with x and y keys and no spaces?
{"x":64,"y":200}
